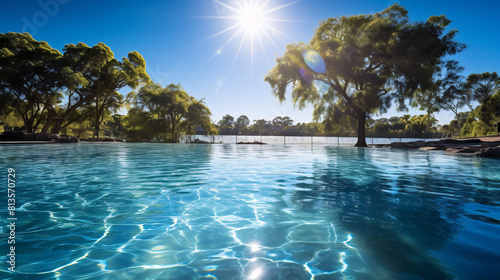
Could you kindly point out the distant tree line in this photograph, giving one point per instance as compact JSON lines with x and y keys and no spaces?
{"x":404,"y":126}
{"x":76,"y":92}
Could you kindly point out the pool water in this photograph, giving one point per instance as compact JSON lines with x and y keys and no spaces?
{"x":166,"y":211}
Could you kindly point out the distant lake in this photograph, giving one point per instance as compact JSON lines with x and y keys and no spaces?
{"x":170,"y":211}
{"x":298,"y":140}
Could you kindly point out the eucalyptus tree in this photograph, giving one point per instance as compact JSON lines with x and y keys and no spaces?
{"x":368,"y":61}
{"x":226,"y":121}
{"x":444,"y":91}
{"x":172,"y":108}
{"x":483,"y":86}
{"x":241,"y":123}
{"x":259,"y":125}
{"x":28,"y":72}
{"x":198,"y":114}
{"x":105,"y":76}
{"x":452,"y":95}
{"x":6,"y":103}
{"x":286,"y":121}
{"x":277,"y":121}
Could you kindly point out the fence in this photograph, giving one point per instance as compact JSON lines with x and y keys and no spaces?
{"x":294,"y":140}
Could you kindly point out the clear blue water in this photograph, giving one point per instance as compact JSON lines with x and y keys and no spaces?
{"x":164,"y":211}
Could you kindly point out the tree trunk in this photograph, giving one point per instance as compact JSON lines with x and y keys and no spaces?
{"x":173,"y":131}
{"x":361,"y":130}
{"x":45,"y":128}
{"x":56,"y":129}
{"x":360,"y":115}
{"x":29,"y":126}
{"x":96,"y":127}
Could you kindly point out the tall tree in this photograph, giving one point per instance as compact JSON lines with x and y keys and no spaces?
{"x":226,"y":121}
{"x":172,"y":108}
{"x":242,"y":123}
{"x":259,"y":125}
{"x":453,"y":95}
{"x":367,"y":60}
{"x":198,"y":114}
{"x":28,"y":69}
{"x":277,"y":122}
{"x":443,"y":92}
{"x":286,"y":121}
{"x":105,"y":75}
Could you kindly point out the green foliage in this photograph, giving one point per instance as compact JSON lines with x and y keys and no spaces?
{"x":117,"y":127}
{"x":242,"y":122}
{"x":161,"y":111}
{"x":28,"y":76}
{"x":485,"y":89}
{"x":405,"y":126}
{"x":227,"y":121}
{"x":55,"y":90}
{"x":105,"y":75}
{"x":483,"y":86}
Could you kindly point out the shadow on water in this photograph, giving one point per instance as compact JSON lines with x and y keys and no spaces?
{"x":397,"y":215}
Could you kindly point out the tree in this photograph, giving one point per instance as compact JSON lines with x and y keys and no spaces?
{"x":27,"y":73}
{"x":117,"y":127}
{"x":227,"y":120}
{"x":489,"y":111}
{"x":198,"y":114}
{"x":172,"y":109}
{"x":287,"y":121}
{"x":259,"y":126}
{"x":105,"y":76}
{"x":483,"y":86}
{"x":277,"y":122}
{"x":226,"y":124}
{"x":452,"y":96}
{"x":443,"y":91}
{"x":6,"y":103}
{"x":366,"y":60}
{"x":242,"y":122}
{"x":140,"y":124}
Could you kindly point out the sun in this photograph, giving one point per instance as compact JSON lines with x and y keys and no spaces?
{"x":251,"y":17}
{"x":253,"y":22}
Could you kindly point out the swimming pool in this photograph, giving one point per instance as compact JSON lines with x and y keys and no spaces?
{"x":167,"y":211}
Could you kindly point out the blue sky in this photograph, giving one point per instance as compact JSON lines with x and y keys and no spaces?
{"x":175,"y":39}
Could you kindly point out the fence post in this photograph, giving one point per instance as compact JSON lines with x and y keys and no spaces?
{"x":338,"y":141}
{"x":312,"y":140}
{"x":284,"y":139}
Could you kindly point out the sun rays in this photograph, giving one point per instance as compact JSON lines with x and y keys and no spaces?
{"x":250,"y":25}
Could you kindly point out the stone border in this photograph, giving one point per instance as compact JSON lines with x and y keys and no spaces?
{"x":473,"y":147}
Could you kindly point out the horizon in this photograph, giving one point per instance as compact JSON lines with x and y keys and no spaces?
{"x":206,"y":46}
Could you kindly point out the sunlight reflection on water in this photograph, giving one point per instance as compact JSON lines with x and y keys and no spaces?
{"x":161,"y":211}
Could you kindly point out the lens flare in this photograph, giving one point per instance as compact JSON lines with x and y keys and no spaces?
{"x":306,"y":75}
{"x":314,"y":61}
{"x":321,"y":87}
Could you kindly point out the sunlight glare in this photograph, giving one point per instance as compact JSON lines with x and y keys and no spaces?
{"x":256,"y":273}
{"x":252,"y":21}
{"x":251,"y":17}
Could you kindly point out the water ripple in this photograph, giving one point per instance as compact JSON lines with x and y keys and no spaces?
{"x":160,"y":211}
